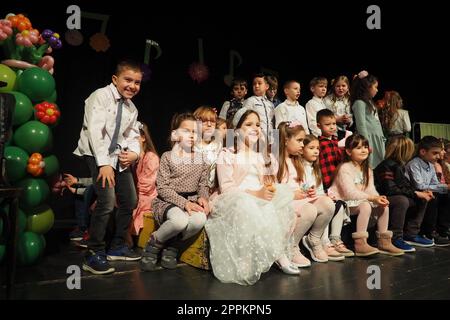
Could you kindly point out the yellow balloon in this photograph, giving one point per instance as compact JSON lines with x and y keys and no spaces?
{"x":8,"y":76}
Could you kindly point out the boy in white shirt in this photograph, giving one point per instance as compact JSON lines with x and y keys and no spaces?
{"x":318,"y":87}
{"x":290,"y":109}
{"x":109,"y":143}
{"x":259,"y":103}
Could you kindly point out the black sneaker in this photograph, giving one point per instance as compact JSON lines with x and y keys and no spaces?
{"x":169,"y":258}
{"x":440,"y":241}
{"x":77,"y":234}
{"x":122,"y":254}
{"x":95,"y":262}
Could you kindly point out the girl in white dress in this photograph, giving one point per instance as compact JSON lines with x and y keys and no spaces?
{"x":252,"y":217}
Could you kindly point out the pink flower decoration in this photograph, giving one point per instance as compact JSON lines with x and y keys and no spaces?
{"x":293,"y":124}
{"x":363,"y":74}
{"x":5,"y":29}
{"x":27,"y":38}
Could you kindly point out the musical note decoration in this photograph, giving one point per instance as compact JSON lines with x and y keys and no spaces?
{"x":198,"y":71}
{"x":234,"y":55}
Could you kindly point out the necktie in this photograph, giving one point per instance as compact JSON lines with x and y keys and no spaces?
{"x":113,"y":144}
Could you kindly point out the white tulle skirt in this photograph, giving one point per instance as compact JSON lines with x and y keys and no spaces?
{"x":248,"y":234}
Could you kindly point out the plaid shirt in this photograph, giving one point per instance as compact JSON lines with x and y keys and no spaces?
{"x":330,"y":157}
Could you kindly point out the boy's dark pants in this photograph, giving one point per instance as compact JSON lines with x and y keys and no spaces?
{"x":405,"y":215}
{"x":437,"y":217}
{"x":126,"y":200}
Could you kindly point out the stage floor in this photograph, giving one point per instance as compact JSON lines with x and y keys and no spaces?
{"x":421,"y":275}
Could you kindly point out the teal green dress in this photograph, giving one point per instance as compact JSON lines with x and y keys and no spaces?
{"x":368,"y":124}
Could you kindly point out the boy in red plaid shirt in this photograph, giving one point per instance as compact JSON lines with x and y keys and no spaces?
{"x":330,"y":154}
{"x":330,"y":157}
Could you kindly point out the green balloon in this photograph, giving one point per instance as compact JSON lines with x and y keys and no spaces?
{"x":52,"y":98}
{"x":16,"y":163}
{"x":40,"y":219}
{"x":35,"y":192}
{"x":51,"y":165}
{"x":33,"y":136}
{"x":29,"y":248}
{"x":36,"y":83}
{"x":9,"y":76}
{"x":23,"y":110}
{"x":2,"y":251}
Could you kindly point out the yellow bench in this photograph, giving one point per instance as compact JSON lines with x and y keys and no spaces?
{"x":195,"y":255}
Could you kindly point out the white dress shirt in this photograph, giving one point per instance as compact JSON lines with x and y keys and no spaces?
{"x":99,"y":124}
{"x":312,"y":107}
{"x":339,"y":106}
{"x":291,"y":111}
{"x":265,"y":109}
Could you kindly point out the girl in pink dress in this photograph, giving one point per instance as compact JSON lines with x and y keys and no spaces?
{"x":145,"y":179}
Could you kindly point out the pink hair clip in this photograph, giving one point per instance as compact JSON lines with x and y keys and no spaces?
{"x":215,"y":110}
{"x":293,"y":124}
{"x":362,"y":74}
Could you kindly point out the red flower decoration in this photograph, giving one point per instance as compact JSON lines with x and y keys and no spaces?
{"x":47,"y":112}
{"x":198,"y":72}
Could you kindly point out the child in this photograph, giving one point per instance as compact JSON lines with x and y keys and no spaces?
{"x":250,"y":221}
{"x":330,"y":157}
{"x":318,"y":87}
{"x":394,"y":119}
{"x":273,"y":89}
{"x":221,"y":130}
{"x":83,"y":190}
{"x":422,"y":173}
{"x":238,"y":93}
{"x":146,"y":171}
{"x":182,"y":185}
{"x":109,"y":142}
{"x":312,"y":179}
{"x":390,"y":179}
{"x":208,"y":146}
{"x":338,"y":101}
{"x":290,"y":109}
{"x":354,"y":184}
{"x":259,"y":103}
{"x":313,"y":212}
{"x":364,"y":88}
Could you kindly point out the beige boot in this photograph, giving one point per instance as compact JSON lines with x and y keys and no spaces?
{"x":362,"y":249}
{"x":385,"y":244}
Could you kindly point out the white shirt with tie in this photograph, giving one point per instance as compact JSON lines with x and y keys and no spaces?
{"x":265,"y":109}
{"x":99,"y":124}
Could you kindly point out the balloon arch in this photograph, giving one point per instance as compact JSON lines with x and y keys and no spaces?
{"x":28,"y":74}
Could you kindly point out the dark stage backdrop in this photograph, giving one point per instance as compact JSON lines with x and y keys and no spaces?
{"x":298,"y":41}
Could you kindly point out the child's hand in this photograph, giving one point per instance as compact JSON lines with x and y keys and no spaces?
{"x":265,"y":193}
{"x":299,"y":195}
{"x":106,"y":173}
{"x":72,"y":189}
{"x":425,"y":195}
{"x":192,"y":207}
{"x":381,"y":200}
{"x":311,"y":192}
{"x":205,"y":204}
{"x":70,"y":179}
{"x":126,"y":158}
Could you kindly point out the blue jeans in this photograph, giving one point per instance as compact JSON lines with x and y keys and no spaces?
{"x":125,"y":192}
{"x":82,"y":205}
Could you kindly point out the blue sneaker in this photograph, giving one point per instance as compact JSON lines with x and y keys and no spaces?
{"x":401,"y":244}
{"x":419,"y":241}
{"x":95,"y":262}
{"x":122,"y":254}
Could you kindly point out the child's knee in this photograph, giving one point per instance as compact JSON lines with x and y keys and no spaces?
{"x":198,"y":220}
{"x":180,"y":223}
